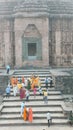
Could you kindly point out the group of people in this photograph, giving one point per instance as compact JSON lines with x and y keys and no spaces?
{"x":26,"y":114}
{"x":23,"y":86}
{"x":48,"y":82}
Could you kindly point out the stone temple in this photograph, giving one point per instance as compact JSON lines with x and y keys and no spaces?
{"x":36,"y":33}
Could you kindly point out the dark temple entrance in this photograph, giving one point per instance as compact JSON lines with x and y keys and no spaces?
{"x":32,"y":51}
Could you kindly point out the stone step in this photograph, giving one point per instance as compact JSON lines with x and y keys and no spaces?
{"x":17,"y":106}
{"x":31,"y":94}
{"x":35,"y":115}
{"x":51,"y":90}
{"x":10,"y":114}
{"x":37,"y":122}
{"x":20,"y":76}
{"x":32,"y":71}
{"x":31,"y":100}
{"x":35,"y":112}
{"x":29,"y":75}
{"x":35,"y":109}
{"x":50,"y":97}
{"x":35,"y":73}
{"x":32,"y":103}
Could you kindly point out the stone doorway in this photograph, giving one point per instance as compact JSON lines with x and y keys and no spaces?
{"x":31,"y":44}
{"x":32,"y":51}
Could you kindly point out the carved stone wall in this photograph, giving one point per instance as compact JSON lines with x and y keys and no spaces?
{"x":6,"y":42}
{"x":62,"y":41}
{"x":57,"y":37}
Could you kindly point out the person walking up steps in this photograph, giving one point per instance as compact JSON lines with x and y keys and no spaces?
{"x":49,"y":119}
{"x":45,"y":97}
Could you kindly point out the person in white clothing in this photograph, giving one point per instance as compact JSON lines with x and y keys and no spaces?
{"x":15,"y":90}
{"x":49,"y":119}
{"x":22,"y":107}
{"x":27,"y":95}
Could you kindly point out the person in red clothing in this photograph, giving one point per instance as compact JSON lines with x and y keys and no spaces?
{"x":23,"y":80}
{"x":22,"y":93}
{"x":30,"y":115}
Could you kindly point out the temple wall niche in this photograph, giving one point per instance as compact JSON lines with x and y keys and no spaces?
{"x":42,"y":26}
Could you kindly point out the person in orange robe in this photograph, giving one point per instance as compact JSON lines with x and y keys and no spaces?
{"x":30,"y":115}
{"x":16,"y":80}
{"x":32,"y":85}
{"x":25,"y":114}
{"x":36,"y":81}
{"x":12,"y":81}
{"x":32,"y":81}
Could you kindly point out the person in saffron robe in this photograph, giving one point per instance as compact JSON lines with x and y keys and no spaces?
{"x":33,"y":85}
{"x":36,"y":81}
{"x":32,"y":81}
{"x":25,"y":114}
{"x":22,"y":93}
{"x":12,"y":81}
{"x":30,"y":115}
{"x":16,"y":80}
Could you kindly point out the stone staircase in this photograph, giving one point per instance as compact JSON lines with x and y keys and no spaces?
{"x":10,"y":113}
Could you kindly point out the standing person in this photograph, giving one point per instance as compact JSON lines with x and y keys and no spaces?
{"x":51,"y":81}
{"x":27,"y":95}
{"x":15,"y":89}
{"x":12,"y":81}
{"x":8,"y":90}
{"x":8,"y":69}
{"x":40,"y":90}
{"x":25,"y":84}
{"x":22,"y":92}
{"x":28,"y":84}
{"x":22,"y":108}
{"x":46,"y":82}
{"x":45,"y":97}
{"x":30,"y":115}
{"x":23,"y":80}
{"x":19,"y":85}
{"x":49,"y":119}
{"x":34,"y":91}
{"x":25,"y":114}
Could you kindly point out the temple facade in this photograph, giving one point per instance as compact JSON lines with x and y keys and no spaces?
{"x":36,"y":33}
